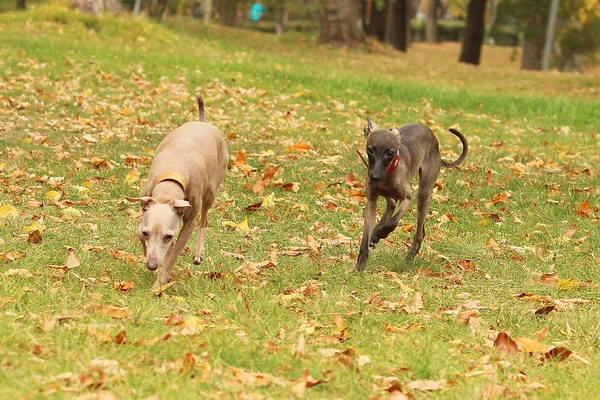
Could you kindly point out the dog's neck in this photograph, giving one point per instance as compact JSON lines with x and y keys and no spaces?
{"x":168,"y":189}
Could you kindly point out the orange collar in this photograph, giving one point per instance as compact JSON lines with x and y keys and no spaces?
{"x":173,"y":176}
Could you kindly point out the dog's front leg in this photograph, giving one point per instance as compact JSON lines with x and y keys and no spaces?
{"x":369,"y":217}
{"x":164,"y":275}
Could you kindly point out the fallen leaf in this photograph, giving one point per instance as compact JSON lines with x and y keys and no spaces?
{"x":121,"y":337}
{"x":175,"y":320}
{"x":427,"y":385}
{"x":35,"y":237}
{"x":18,"y":272}
{"x":123,"y":286}
{"x":567,"y":284}
{"x":505,"y":344}
{"x":161,"y":289}
{"x":557,"y":354}
{"x":544,"y":310}
{"x":532,"y":346}
{"x":8,"y":211}
{"x":242,"y":226}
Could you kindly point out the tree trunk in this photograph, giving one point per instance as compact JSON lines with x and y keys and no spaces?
{"x":474,"y":31}
{"x":21,"y":4}
{"x":164,"y":10}
{"x":374,"y":22}
{"x":339,"y":22}
{"x":533,"y":43}
{"x":208,"y":7}
{"x":431,"y":32}
{"x":397,"y":24}
{"x":226,"y":10}
{"x":280,"y":19}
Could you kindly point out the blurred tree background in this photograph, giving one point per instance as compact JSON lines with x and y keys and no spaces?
{"x":522,"y":24}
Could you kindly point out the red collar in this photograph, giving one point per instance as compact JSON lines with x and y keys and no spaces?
{"x":394,"y":163}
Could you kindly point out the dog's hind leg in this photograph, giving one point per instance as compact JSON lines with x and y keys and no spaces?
{"x":427,"y":179}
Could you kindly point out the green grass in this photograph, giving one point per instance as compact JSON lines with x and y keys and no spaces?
{"x":76,"y":87}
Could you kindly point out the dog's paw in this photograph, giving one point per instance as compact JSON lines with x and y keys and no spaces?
{"x":198,"y":260}
{"x":374,"y":240}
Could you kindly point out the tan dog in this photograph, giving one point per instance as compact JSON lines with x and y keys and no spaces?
{"x":188,"y":167}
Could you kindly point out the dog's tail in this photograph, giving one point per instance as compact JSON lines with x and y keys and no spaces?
{"x":463,"y":155}
{"x":201,"y":108}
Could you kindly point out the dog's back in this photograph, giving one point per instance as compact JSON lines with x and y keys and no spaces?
{"x":196,"y":149}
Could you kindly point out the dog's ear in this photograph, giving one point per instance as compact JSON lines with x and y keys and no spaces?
{"x":180,"y":206}
{"x":370,"y":127}
{"x":145,"y":201}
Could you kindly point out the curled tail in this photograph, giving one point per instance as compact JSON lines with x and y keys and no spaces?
{"x":463,"y":155}
{"x":201,"y":108}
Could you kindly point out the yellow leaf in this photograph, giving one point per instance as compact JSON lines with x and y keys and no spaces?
{"x":159,"y":290}
{"x":192,"y":326}
{"x":81,"y":189}
{"x":35,"y":226}
{"x":567,"y":284}
{"x":53,"y":195}
{"x":532,"y":346}
{"x":242,"y":226}
{"x":72,"y":212}
{"x":8,"y":211}
{"x":268,"y":201}
{"x":18,"y":272}
{"x":483,"y":222}
{"x":132,"y":176}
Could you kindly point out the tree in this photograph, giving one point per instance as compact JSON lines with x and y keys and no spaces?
{"x":21,"y":4}
{"x":374,"y":16}
{"x":339,"y":22}
{"x":431,"y":30}
{"x":474,"y":31}
{"x":397,"y":24}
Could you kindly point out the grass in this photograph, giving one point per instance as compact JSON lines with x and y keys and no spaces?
{"x":85,"y":101}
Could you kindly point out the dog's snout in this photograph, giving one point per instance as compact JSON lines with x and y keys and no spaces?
{"x":374,"y":177}
{"x":152,"y":263}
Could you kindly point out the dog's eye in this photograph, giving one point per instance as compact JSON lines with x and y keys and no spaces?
{"x":168,"y":237}
{"x":391,"y":153}
{"x":370,"y":150}
{"x":145,"y":234}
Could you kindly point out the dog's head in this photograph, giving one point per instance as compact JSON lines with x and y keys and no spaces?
{"x":159,"y":226}
{"x":382,"y":150}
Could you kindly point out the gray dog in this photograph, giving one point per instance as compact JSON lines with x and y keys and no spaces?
{"x":188,"y":167}
{"x":395,"y":156}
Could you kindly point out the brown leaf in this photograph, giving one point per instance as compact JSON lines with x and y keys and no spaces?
{"x":72,"y":259}
{"x":175,"y":320}
{"x":404,"y":328}
{"x":240,"y":159}
{"x":544,"y":310}
{"x":339,"y":321}
{"x":123,"y":286}
{"x":253,"y":207}
{"x":427,"y":385}
{"x":557,"y":354}
{"x":542,"y":333}
{"x":318,"y":186}
{"x":505,"y":345}
{"x":121,"y":337}
{"x":259,"y":187}
{"x":467,"y":265}
{"x":532,"y":346}
{"x":299,"y":146}
{"x":110,"y":311}
{"x":35,"y":237}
